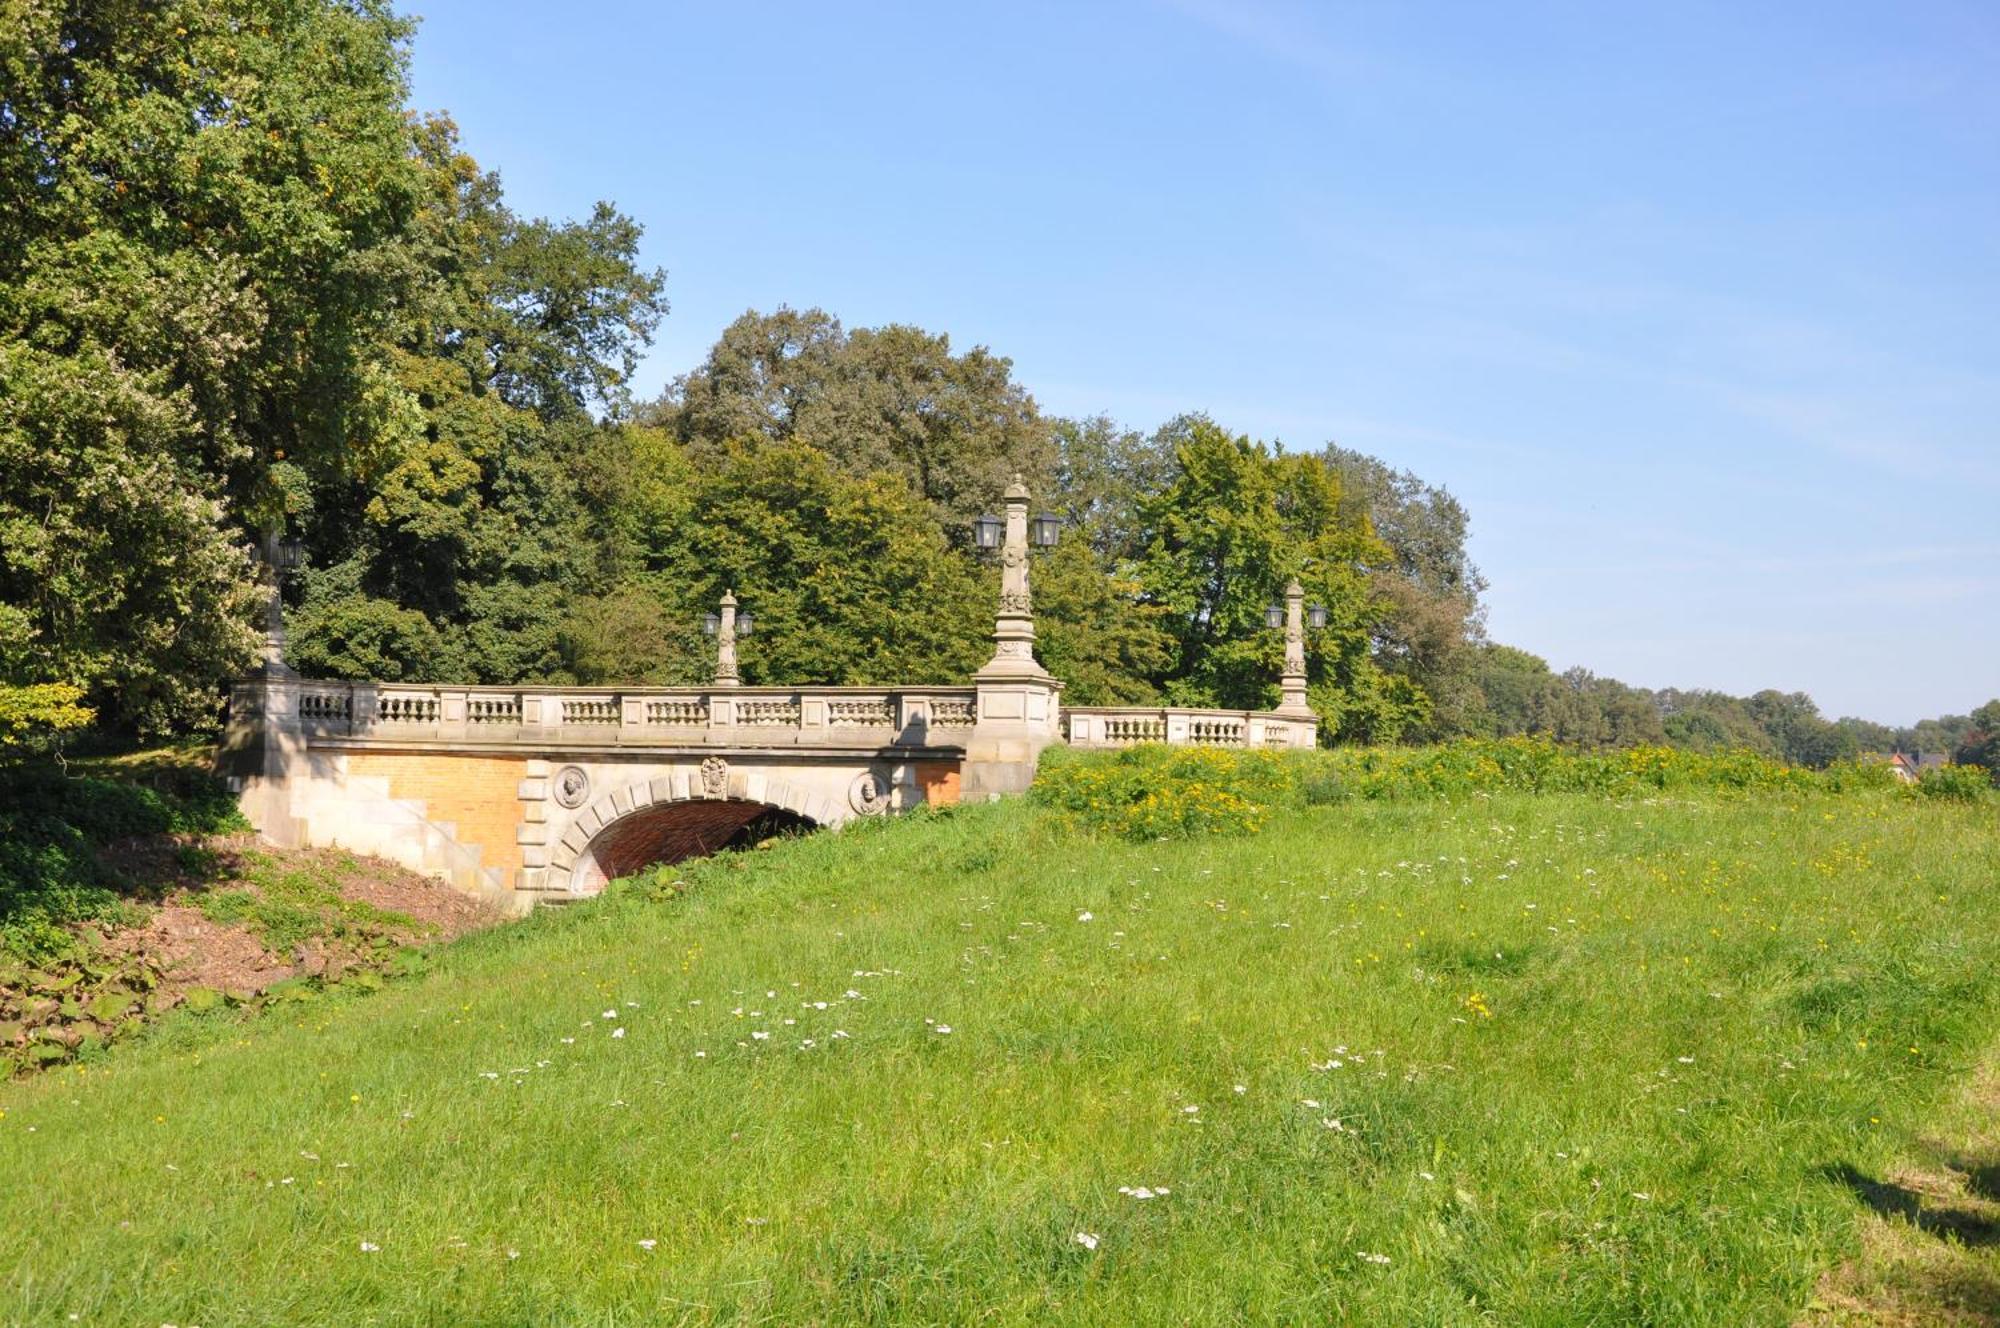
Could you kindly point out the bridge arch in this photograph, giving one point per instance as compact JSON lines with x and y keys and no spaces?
{"x":636,"y":828}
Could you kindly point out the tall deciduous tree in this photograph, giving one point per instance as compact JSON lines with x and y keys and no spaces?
{"x":1232,"y":525}
{"x":848,"y":577}
{"x":204,"y":213}
{"x":484,"y":523}
{"x":1434,"y":621}
{"x":1981,"y":745}
{"x":893,"y":399}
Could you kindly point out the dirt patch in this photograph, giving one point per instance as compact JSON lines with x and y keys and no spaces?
{"x":215,"y":919}
{"x":191,"y":949}
{"x":445,"y":912}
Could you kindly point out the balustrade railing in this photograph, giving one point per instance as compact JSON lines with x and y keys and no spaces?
{"x":679,"y":714}
{"x":758,"y":716}
{"x":922,"y":716}
{"x":589,"y":709}
{"x":1127,"y":726}
{"x":493,"y":709}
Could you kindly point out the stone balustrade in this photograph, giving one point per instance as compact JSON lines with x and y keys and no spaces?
{"x":1125,"y":726}
{"x":642,"y":716}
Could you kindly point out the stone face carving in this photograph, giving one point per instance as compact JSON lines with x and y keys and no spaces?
{"x":714,"y":777}
{"x":572,"y":786}
{"x":1015,"y":601}
{"x":868,"y":794}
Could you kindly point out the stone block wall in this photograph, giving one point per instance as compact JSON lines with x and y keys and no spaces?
{"x":476,"y":794}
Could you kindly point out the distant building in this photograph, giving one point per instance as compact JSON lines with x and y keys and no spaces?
{"x":1909,"y":766}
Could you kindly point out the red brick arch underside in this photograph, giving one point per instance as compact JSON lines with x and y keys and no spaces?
{"x":669,"y":832}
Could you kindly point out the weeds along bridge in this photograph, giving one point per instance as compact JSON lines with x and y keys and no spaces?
{"x":528,"y":794}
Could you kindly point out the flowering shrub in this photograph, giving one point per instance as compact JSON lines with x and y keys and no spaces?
{"x":1159,"y":792}
{"x":1153,"y":792}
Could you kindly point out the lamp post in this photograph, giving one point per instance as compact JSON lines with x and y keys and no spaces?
{"x":1014,"y":624}
{"x":725,"y":628}
{"x":277,"y":556}
{"x":1292,"y":682}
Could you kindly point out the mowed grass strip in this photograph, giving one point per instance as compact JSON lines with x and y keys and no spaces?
{"x":1523,"y":1060}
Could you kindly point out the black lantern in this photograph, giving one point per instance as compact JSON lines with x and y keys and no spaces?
{"x":1316,"y":615}
{"x":277,"y":553}
{"x":986,"y":531}
{"x":711,"y":624}
{"x":1045,"y":530}
{"x":1274,"y":615}
{"x":743,"y":623}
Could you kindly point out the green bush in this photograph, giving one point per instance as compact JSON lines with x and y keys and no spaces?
{"x":1955,"y":783}
{"x":1156,"y":792}
{"x":1151,"y":792}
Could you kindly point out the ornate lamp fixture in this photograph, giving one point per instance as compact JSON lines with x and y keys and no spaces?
{"x":278,"y":555}
{"x":725,"y":628}
{"x":744,"y":623}
{"x":1274,"y":616}
{"x":1014,"y":626}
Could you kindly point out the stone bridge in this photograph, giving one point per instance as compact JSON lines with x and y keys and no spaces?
{"x":528,"y":794}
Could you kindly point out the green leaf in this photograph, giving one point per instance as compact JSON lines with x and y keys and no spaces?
{"x":202,"y":999}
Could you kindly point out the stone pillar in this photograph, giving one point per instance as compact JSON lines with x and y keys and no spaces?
{"x":1292,"y":682}
{"x":1014,"y":625}
{"x":263,"y":747}
{"x":273,"y":578}
{"x":725,"y":643}
{"x":1018,"y":705}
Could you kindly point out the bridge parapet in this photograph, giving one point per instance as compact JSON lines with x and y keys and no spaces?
{"x":541,"y":717}
{"x":1126,"y":726}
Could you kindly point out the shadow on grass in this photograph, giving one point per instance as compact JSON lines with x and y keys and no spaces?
{"x":1968,"y":1224}
{"x":1982,"y":1175}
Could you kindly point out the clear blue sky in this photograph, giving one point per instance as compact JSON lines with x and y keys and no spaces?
{"x":1696,"y":307}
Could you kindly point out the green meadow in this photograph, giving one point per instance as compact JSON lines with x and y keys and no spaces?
{"x":1558,"y":1058}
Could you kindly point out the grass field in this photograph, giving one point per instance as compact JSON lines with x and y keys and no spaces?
{"x":1522,"y":1060}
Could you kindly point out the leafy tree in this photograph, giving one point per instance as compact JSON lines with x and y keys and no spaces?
{"x":1510,"y":683}
{"x":1981,"y":744}
{"x":1433,"y":622}
{"x":1220,"y":540}
{"x":1868,"y":736}
{"x":1103,"y":471}
{"x":33,"y":717}
{"x":1941,"y":734}
{"x":1095,"y":631}
{"x":888,"y":400}
{"x":848,"y":578}
{"x":1798,"y":731}
{"x":485,"y":523}
{"x":1708,"y":721}
{"x":204,"y":209}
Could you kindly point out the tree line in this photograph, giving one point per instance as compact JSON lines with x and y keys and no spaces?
{"x":244,"y":287}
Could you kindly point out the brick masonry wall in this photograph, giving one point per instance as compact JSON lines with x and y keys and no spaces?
{"x":938,"y":780}
{"x":478,"y":794}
